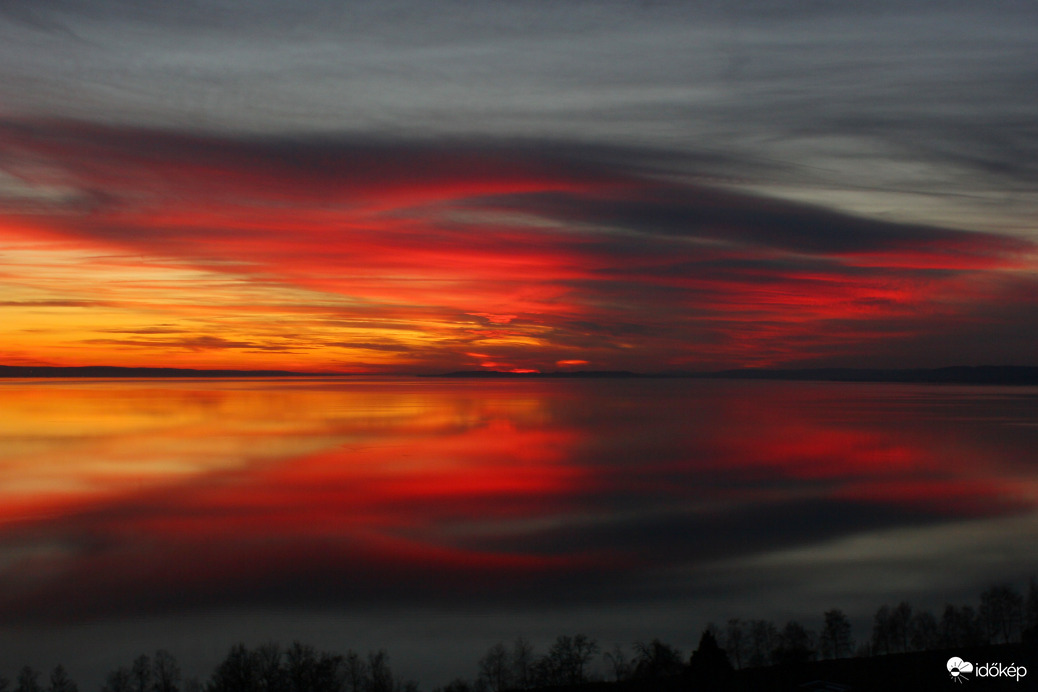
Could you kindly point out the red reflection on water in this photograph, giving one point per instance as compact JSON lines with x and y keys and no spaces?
{"x":170,"y":495}
{"x":406,"y":481}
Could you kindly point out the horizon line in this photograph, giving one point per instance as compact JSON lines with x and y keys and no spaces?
{"x":966,"y":374}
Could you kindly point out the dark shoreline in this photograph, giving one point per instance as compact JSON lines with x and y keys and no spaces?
{"x":975,"y":375}
{"x":981,"y":375}
{"x":29,"y":371}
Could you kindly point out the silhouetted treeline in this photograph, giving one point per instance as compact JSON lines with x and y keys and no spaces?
{"x":301,"y":668}
{"x":1004,"y":616}
{"x":28,"y":680}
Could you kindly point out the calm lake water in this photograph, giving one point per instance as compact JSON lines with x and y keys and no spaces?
{"x":435,"y":517}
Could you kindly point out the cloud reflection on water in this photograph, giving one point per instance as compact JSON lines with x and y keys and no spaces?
{"x":148,"y":497}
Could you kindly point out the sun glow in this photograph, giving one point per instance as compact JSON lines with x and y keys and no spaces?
{"x":199,"y":256}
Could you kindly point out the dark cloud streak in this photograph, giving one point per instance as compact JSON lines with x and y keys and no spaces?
{"x":610,"y":234}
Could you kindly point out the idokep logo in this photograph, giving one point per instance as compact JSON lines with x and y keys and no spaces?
{"x":959,"y":670}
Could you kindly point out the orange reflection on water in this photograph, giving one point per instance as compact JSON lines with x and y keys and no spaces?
{"x":273,"y":478}
{"x":121,"y":496}
{"x":76,"y":442}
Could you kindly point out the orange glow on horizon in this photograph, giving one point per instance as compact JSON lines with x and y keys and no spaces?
{"x":218,"y":254}
{"x":284,"y":479}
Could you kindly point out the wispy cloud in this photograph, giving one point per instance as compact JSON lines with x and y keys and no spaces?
{"x":516,"y":249}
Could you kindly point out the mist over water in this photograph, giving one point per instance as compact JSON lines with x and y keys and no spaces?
{"x":435,"y":517}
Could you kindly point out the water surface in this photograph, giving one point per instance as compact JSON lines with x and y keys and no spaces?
{"x":434,"y":516}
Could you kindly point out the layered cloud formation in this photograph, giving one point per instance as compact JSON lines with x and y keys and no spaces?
{"x":383,"y":188}
{"x":364,"y":254}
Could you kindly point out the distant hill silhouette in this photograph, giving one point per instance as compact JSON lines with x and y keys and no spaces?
{"x":561,"y":374}
{"x":114,"y":371}
{"x":981,"y":374}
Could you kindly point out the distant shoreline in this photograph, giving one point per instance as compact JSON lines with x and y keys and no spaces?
{"x":31,"y":371}
{"x":982,"y":374}
{"x":979,"y":375}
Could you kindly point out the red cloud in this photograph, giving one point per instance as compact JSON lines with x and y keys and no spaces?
{"x":552,"y":250}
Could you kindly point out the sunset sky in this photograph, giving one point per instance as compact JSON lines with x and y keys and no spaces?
{"x":404,"y":187}
{"x":435,"y":517}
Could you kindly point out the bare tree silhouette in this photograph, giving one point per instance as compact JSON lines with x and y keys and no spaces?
{"x":796,"y":644}
{"x":495,"y":668}
{"x":165,"y":672}
{"x":882,"y":631}
{"x":523,"y":663}
{"x":1030,"y":626}
{"x":60,"y":681}
{"x":1001,"y":612}
{"x":736,"y":642}
{"x":380,"y":676}
{"x":618,"y":663}
{"x":959,"y":627}
{"x":140,"y":674}
{"x":355,"y":672}
{"x":709,"y":667}
{"x":763,"y":636}
{"x":118,"y":680}
{"x":835,"y":640}
{"x":923,"y":633}
{"x":566,"y":661}
{"x":656,"y":660}
{"x":28,"y":680}
{"x":235,"y":673}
